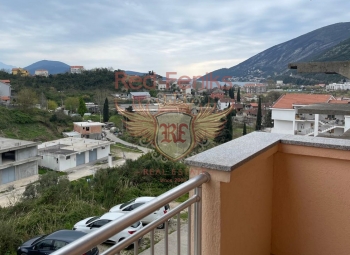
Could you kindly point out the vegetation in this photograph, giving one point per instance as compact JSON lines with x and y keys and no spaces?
{"x":244,"y":129}
{"x":239,"y":95}
{"x":258,"y":117}
{"x":105,"y":111}
{"x":54,"y":203}
{"x":37,"y":125}
{"x":82,"y":107}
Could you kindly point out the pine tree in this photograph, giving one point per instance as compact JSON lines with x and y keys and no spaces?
{"x":239,"y":95}
{"x":244,"y":129}
{"x":258,"y":117}
{"x":105,"y":111}
{"x":82,"y":107}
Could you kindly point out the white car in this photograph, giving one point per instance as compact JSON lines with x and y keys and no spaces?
{"x":133,"y":204}
{"x":93,"y":223}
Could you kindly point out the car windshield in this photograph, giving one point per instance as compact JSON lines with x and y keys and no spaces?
{"x":92,"y":219}
{"x":39,"y":239}
{"x":135,"y":225}
{"x":127,"y":203}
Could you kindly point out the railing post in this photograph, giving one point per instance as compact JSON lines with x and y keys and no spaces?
{"x":198,"y":222}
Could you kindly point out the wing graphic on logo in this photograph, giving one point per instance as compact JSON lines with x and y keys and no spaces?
{"x":208,"y":124}
{"x":140,"y":123}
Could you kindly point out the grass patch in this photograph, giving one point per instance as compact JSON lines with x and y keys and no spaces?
{"x":44,"y":170}
{"x":125,"y":148}
{"x":183,"y":198}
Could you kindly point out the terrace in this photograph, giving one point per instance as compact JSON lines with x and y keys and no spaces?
{"x":262,"y":193}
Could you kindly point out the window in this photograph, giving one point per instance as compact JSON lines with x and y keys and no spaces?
{"x":8,"y":156}
{"x":127,"y":203}
{"x":68,"y":157}
{"x":58,"y":245}
{"x":92,"y":219}
{"x":132,"y":207}
{"x":87,"y":136}
{"x":87,"y":128}
{"x":45,"y":245}
{"x":99,"y":223}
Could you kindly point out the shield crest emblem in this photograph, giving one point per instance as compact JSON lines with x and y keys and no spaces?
{"x":174,"y":134}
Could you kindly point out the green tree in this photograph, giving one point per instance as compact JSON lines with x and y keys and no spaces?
{"x":231,"y":93}
{"x":52,"y":105}
{"x":268,"y":119}
{"x":229,"y":126}
{"x":26,"y":99}
{"x":258,"y":117}
{"x":105,"y":111}
{"x":244,"y":129}
{"x":71,"y":103}
{"x":82,"y":107}
{"x":153,"y":93}
{"x":239,"y":95}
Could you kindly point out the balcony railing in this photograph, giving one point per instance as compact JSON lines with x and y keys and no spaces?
{"x":99,"y":236}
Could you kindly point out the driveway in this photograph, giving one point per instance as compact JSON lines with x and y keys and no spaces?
{"x":113,"y":138}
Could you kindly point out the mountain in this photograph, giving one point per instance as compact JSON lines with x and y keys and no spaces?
{"x":274,"y":61}
{"x":134,"y":73}
{"x":6,"y":67}
{"x":340,"y":52}
{"x":54,"y":67}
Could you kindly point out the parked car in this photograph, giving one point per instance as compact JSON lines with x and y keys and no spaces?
{"x":93,"y":223}
{"x":46,"y":244}
{"x":133,"y":204}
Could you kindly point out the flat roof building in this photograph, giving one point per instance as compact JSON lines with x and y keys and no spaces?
{"x":66,"y":153}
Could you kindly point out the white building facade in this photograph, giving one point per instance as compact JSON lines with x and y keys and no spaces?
{"x":42,"y":72}
{"x":66,"y":153}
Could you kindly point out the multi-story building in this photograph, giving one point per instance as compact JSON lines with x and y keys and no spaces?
{"x":139,"y":95}
{"x":92,"y":130}
{"x":18,"y":159}
{"x":255,"y":88}
{"x":20,"y":71}
{"x":76,"y":69}
{"x":310,"y":115}
{"x":338,"y":86}
{"x":66,"y":153}
{"x":42,"y":72}
{"x":5,"y":91}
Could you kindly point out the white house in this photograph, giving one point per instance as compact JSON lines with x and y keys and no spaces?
{"x":223,"y":103}
{"x":5,"y":91}
{"x":66,"y":153}
{"x":76,"y":69}
{"x":310,"y":114}
{"x":42,"y":72}
{"x":338,"y":86}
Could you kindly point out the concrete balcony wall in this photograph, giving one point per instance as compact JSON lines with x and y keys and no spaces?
{"x":276,"y":194}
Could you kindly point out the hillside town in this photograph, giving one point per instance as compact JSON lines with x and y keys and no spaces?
{"x":210,"y":128}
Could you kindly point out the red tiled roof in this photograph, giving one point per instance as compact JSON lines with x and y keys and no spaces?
{"x":254,"y":104}
{"x":227,"y":100}
{"x":5,"y":81}
{"x":287,"y":101}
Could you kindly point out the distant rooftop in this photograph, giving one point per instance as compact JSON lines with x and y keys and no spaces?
{"x":287,"y":101}
{"x":71,"y":145}
{"x":7,"y":144}
{"x":88,"y":124}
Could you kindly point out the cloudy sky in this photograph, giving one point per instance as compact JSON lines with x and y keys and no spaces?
{"x":187,"y":37}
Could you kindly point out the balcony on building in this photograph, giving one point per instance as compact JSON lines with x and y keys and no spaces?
{"x":276,"y":194}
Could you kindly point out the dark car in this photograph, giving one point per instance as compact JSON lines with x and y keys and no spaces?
{"x":43,"y":245}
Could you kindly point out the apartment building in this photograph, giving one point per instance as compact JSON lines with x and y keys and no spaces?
{"x":255,"y":88}
{"x":89,"y":129}
{"x":20,"y":71}
{"x":76,"y":69}
{"x":42,"y":72}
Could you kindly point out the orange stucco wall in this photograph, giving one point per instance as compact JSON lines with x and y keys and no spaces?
{"x":246,"y":207}
{"x":311,"y":201}
{"x":92,"y":129}
{"x":288,"y":200}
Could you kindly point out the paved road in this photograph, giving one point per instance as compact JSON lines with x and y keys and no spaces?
{"x":113,"y":138}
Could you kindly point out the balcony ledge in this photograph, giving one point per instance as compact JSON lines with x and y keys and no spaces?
{"x":231,"y":155}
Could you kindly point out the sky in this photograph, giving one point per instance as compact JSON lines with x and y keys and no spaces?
{"x":187,"y":37}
